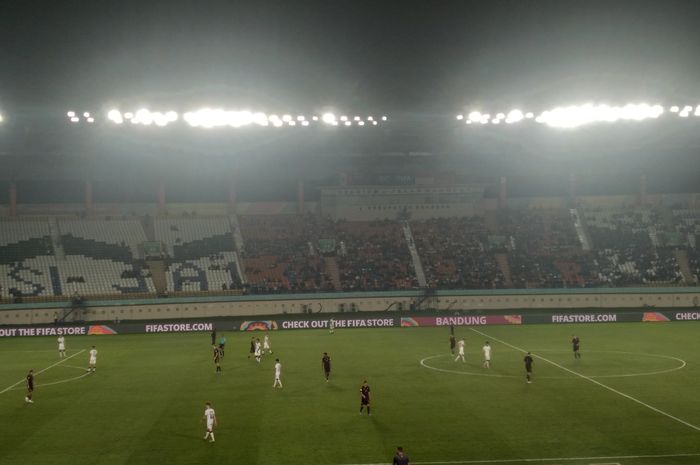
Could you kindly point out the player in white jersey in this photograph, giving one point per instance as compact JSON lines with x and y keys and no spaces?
{"x":210,"y":418}
{"x":266,"y":344}
{"x":487,"y":354}
{"x":61,"y":346}
{"x":258,"y":351}
{"x":331,"y":326}
{"x":278,"y":374}
{"x":460,"y":350}
{"x":93,"y":359}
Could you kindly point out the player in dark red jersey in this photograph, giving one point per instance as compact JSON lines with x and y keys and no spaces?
{"x":576,"y":343}
{"x":400,"y":458}
{"x":30,"y":387}
{"x":528,"y":367}
{"x":326,"y":363}
{"x":364,"y":398}
{"x":252,"y":347}
{"x":453,"y":343}
{"x":217,"y":359}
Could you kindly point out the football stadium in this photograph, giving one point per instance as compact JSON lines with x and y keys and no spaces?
{"x":350,"y":233}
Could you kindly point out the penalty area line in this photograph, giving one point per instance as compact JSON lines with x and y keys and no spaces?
{"x":546,"y":460}
{"x":588,"y":378}
{"x":41,"y":371}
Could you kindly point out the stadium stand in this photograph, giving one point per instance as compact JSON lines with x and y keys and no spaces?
{"x":202,"y":254}
{"x":95,"y":260}
{"x":374,"y":256}
{"x":627,"y":249}
{"x":456,"y":253}
{"x":520,"y":248}
{"x":282,"y":255}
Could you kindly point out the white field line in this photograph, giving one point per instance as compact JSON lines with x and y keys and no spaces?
{"x":605,"y":386}
{"x":682,"y":365}
{"x":67,"y":380}
{"x":552,"y":459}
{"x":41,"y":371}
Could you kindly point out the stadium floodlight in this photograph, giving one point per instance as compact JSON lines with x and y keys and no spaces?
{"x":697,"y":110}
{"x":70,"y":114}
{"x":500,"y":115}
{"x":334,"y":123}
{"x":159,"y":119}
{"x":496,"y":121}
{"x":460,"y":117}
{"x":370,"y":118}
{"x":86,"y":114}
{"x":2,"y":118}
{"x":171,"y":116}
{"x":74,"y":119}
{"x":328,"y":118}
{"x":575,"y":116}
{"x":286,"y":118}
{"x":674,"y":109}
{"x":469,"y":121}
{"x":301,"y":118}
{"x":115,"y":116}
{"x":128,"y":115}
{"x":361,"y":123}
{"x":260,"y":119}
{"x":348,"y":123}
{"x":304,"y":123}
{"x":475,"y":116}
{"x":90,"y":120}
{"x":343,"y":118}
{"x":292,"y":123}
{"x":384,"y":118}
{"x":315,"y":118}
{"x":529,"y":115}
{"x":514,"y":116}
{"x":374,"y":123}
{"x":356,"y":118}
{"x":687,"y":108}
{"x":277,"y":123}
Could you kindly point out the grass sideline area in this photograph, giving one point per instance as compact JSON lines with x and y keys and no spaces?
{"x":630,"y":399}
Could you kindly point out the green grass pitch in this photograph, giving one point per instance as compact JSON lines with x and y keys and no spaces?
{"x":144,"y":405}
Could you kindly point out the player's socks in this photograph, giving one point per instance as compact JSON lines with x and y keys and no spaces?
{"x":368,"y":411}
{"x":206,"y":436}
{"x":212,"y":436}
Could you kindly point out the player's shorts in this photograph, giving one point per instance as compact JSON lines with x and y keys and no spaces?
{"x":576,"y":348}
{"x":61,"y":347}
{"x":364,"y":401}
{"x":266,"y":346}
{"x":93,"y":361}
{"x":487,"y":359}
{"x":210,"y":427}
{"x":30,"y":389}
{"x":528,"y":369}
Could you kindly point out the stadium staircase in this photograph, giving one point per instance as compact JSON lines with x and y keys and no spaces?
{"x":330,"y":265}
{"x":56,"y":239}
{"x":504,"y":266}
{"x":157,"y":268}
{"x":415,"y":258}
{"x":237,"y":233}
{"x":681,"y":257}
{"x":580,"y":230}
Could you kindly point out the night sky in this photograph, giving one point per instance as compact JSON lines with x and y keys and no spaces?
{"x":430,"y":57}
